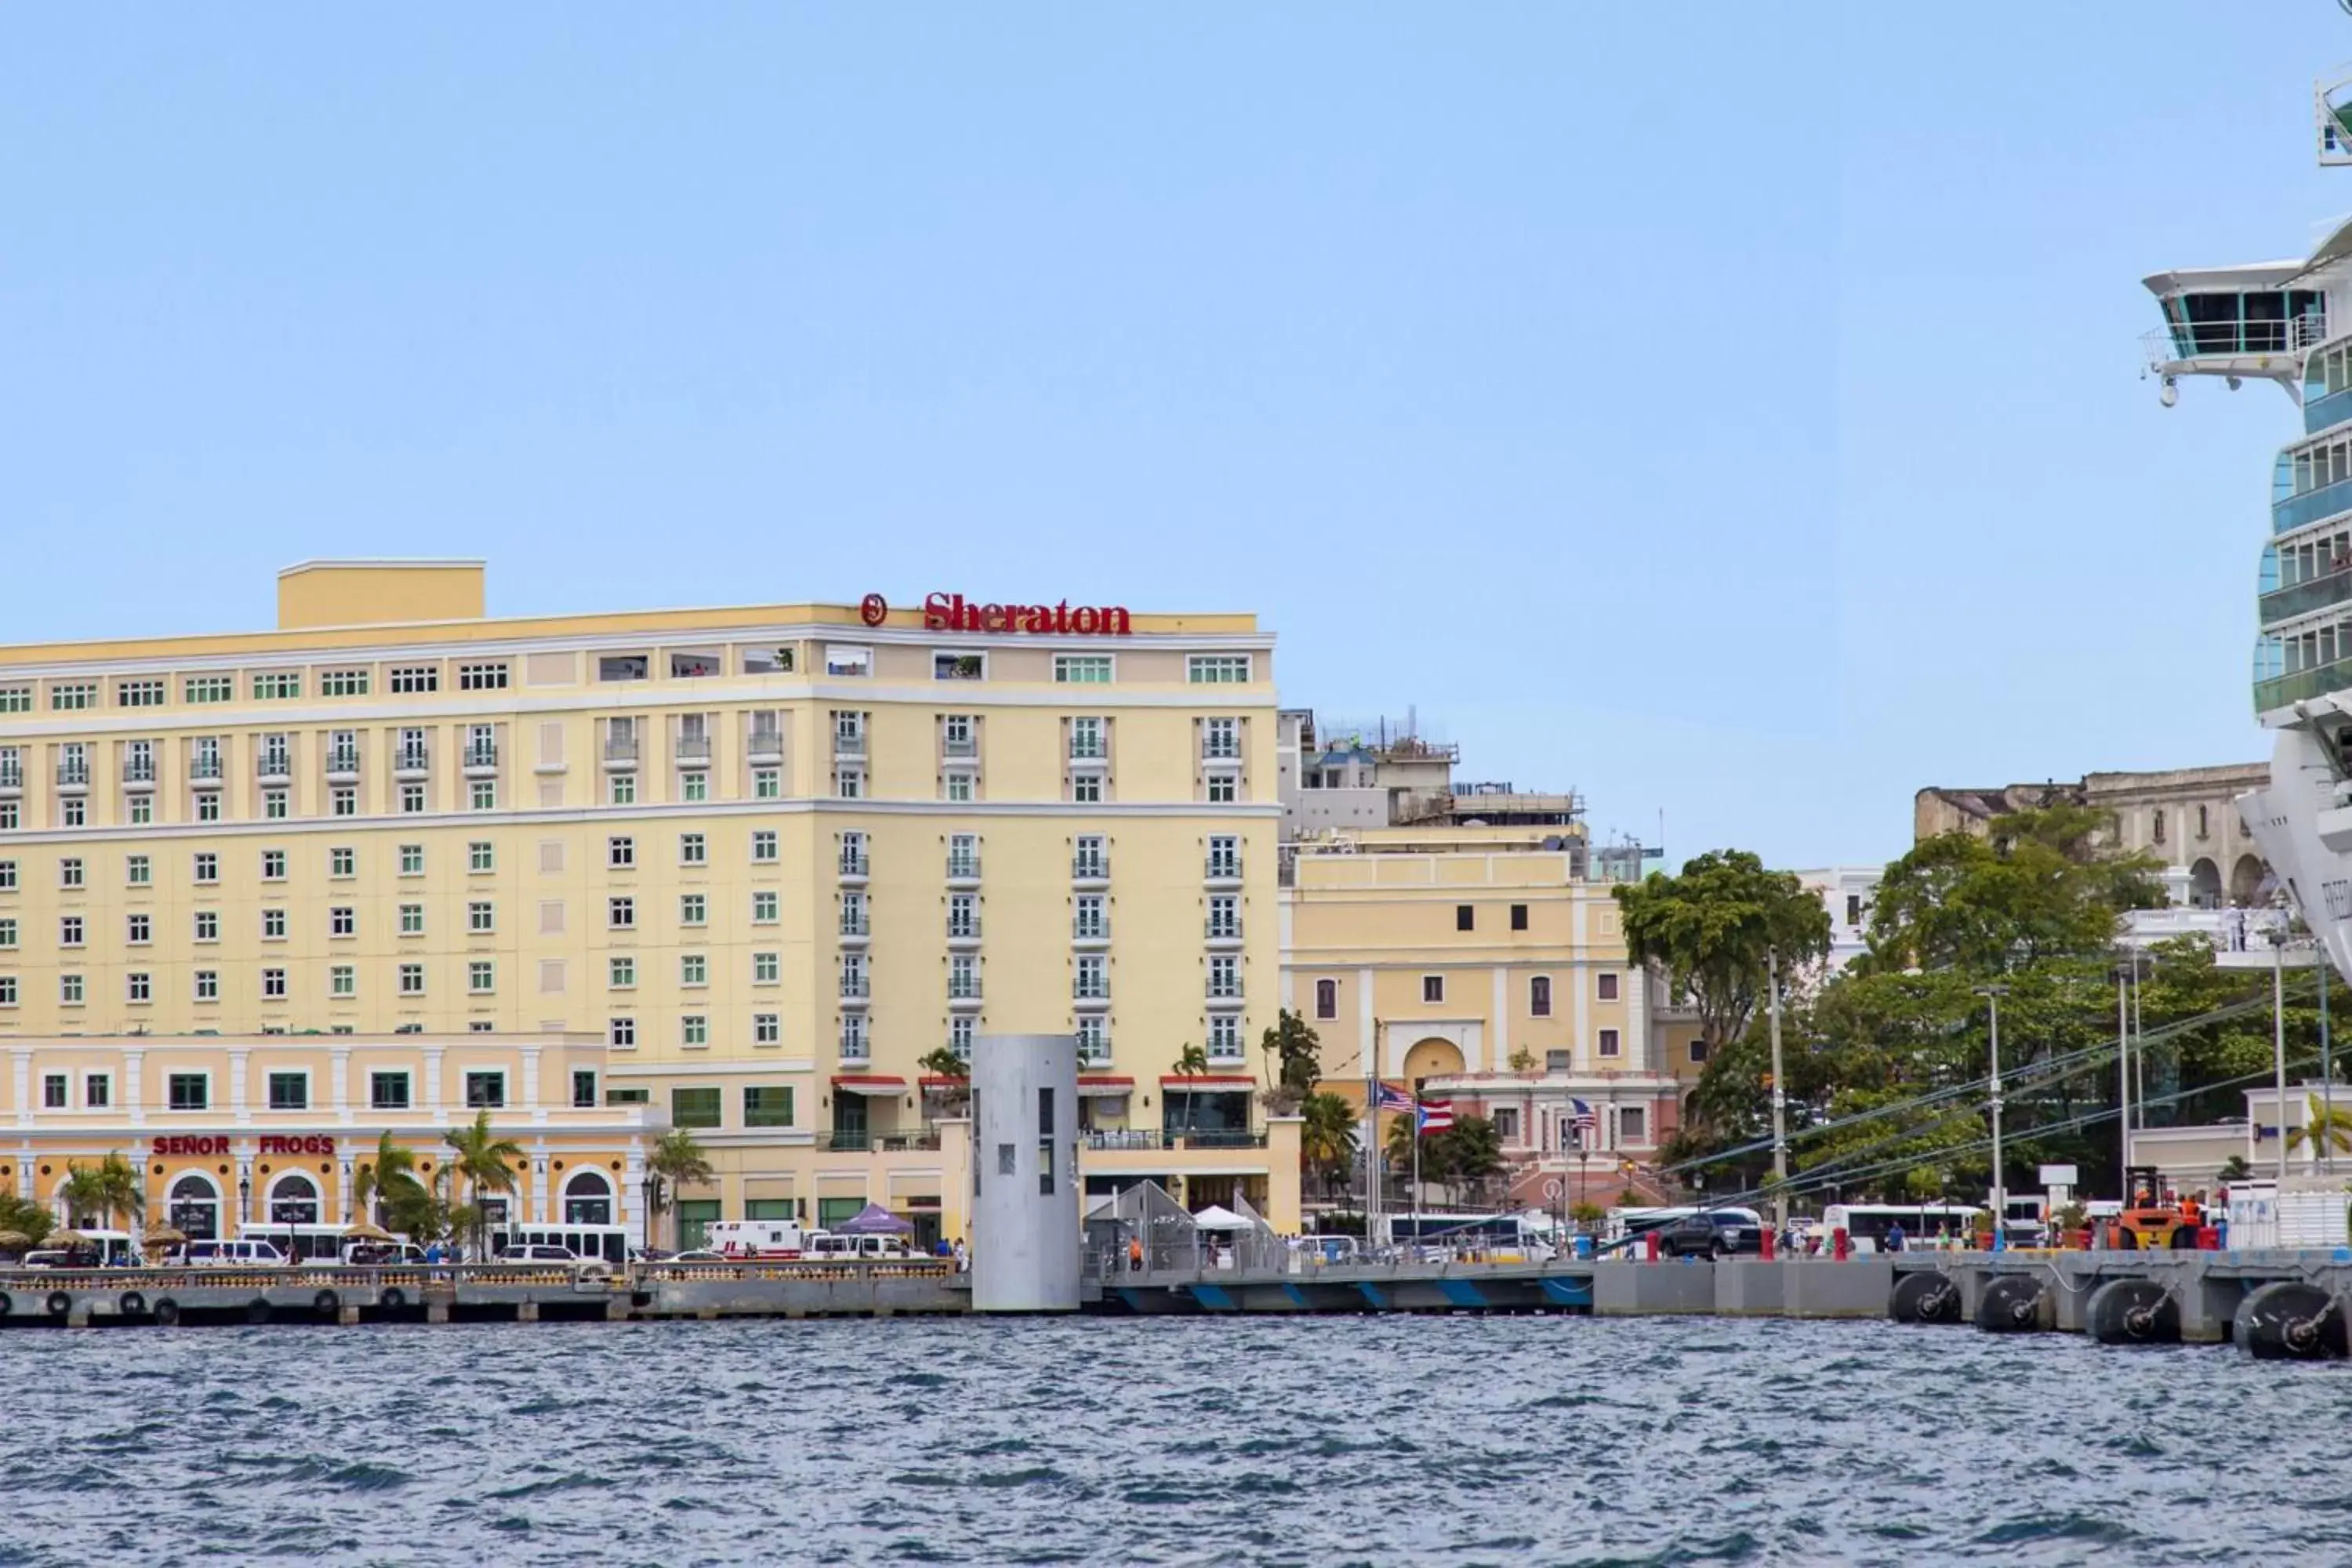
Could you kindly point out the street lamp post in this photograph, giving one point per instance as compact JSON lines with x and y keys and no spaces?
{"x":2278,"y":1033}
{"x":1779,"y":1103}
{"x":1993,"y":993}
{"x":653,"y":1205}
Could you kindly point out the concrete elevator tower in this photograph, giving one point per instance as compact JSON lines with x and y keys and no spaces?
{"x":1026,"y":1221}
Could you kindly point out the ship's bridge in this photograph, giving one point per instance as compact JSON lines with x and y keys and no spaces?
{"x":2237,"y":321}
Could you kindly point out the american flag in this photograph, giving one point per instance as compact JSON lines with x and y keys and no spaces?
{"x":1436,"y":1116}
{"x":1392,"y":1099}
{"x":1581,"y":1120}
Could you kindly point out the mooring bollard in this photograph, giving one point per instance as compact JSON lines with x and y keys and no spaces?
{"x":1767,"y":1242}
{"x":1649,"y":1246}
{"x":1840,"y":1245}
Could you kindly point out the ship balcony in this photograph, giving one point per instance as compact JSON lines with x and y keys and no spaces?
{"x":2286,"y":689}
{"x":2333,"y":587}
{"x":2254,"y":346}
{"x":2291,"y":510}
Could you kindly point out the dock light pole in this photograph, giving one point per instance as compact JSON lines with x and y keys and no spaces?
{"x":2278,"y":1033}
{"x":2327,"y":1065}
{"x":1993,"y":993}
{"x":1780,"y":1101}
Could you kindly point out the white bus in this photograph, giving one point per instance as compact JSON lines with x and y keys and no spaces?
{"x":1924,"y":1226}
{"x":1516,"y":1233}
{"x":608,"y":1242}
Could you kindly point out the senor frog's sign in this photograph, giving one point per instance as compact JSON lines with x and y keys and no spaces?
{"x":270,"y":1144}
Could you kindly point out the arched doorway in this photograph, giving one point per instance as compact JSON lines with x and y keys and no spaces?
{"x":293,"y":1200}
{"x":587,"y":1198}
{"x":2205,"y":885}
{"x":1433,"y":1057}
{"x":2246,"y":880}
{"x":193,"y":1205}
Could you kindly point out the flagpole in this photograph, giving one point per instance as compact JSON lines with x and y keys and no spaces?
{"x":1416,"y":1164}
{"x":1374,"y":1158}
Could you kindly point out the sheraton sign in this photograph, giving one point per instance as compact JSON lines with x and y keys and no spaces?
{"x":954,"y":613}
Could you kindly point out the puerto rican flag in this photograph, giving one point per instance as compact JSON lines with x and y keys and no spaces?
{"x":1436,"y":1116}
{"x":1395,"y":1099}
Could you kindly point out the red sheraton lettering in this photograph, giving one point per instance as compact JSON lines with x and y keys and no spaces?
{"x":954,"y":613}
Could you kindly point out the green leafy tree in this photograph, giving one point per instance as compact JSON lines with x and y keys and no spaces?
{"x":1473,"y":1152}
{"x":384,"y":1181}
{"x":21,"y":1216}
{"x":109,"y":1189}
{"x":1715,"y":929}
{"x":955,"y":1093}
{"x":424,"y":1211}
{"x":1294,"y":1060}
{"x":1327,"y":1138}
{"x":484,"y":1162}
{"x":680,"y":1161}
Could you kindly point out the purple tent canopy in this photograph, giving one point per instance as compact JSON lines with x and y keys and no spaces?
{"x":873,"y":1220}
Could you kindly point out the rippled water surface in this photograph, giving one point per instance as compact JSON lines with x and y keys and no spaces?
{"x":1314,"y":1441}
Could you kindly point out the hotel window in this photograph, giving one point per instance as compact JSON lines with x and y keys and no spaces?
{"x":693,"y":969}
{"x":289,"y":1092}
{"x":1224,"y":788}
{"x":693,"y":849}
{"x":54,"y":1086}
{"x":841,"y":660}
{"x":1608,"y":992}
{"x":481,"y":917}
{"x":412,"y":859}
{"x":961,"y":1027}
{"x":849,"y":783}
{"x":273,"y":984}
{"x":623,"y":788}
{"x":624,"y":667}
{"x":620,"y":853}
{"x":620,"y":1034}
{"x":412,"y":980}
{"x":1086,"y":789}
{"x":960,"y":785}
{"x":96,"y":1090}
{"x":486,"y":1090}
{"x":273,"y":865}
{"x":69,"y":931}
{"x":8,"y":991}
{"x":1088,"y":922}
{"x":1608,"y":1043}
{"x":273,"y":925}
{"x":69,"y":990}
{"x":694,"y":1031}
{"x":16,"y":699}
{"x":387,"y":1092}
{"x":1224,"y":855}
{"x":621,"y":971}
{"x":1086,"y":739}
{"x":483,"y":793}
{"x":621,"y":914}
{"x":855,"y":1046}
{"x":854,"y":981}
{"x":208,"y":689}
{"x":1224,"y":1037}
{"x":412,"y":919}
{"x":693,"y":909}
{"x":1433,"y":988}
{"x":763,"y":847}
{"x":1224,"y":916}
{"x":139,"y":986}
{"x":75,"y":812}
{"x":1518,"y":917}
{"x":140,"y":930}
{"x":959,"y":666}
{"x":276,"y":686}
{"x":633,"y":1096}
{"x":7,"y":876}
{"x":68,"y":696}
{"x":1539,"y":996}
{"x":1224,"y":977}
{"x":583,"y":1088}
{"x":1221,"y":739}
{"x":188,"y":1092}
{"x":411,"y":799}
{"x":763,"y":908}
{"x":964,"y":977}
{"x":70,"y":872}
{"x":694,"y":1107}
{"x":342,"y":683}
{"x":207,"y":984}
{"x":1327,"y":999}
{"x":10,"y":819}
{"x":342,"y":980}
{"x":143,"y":811}
{"x":207,"y":923}
{"x":765,"y":968}
{"x":693,"y":786}
{"x":767,"y":661}
{"x":342,"y":862}
{"x":1093,"y":980}
{"x":408,"y":680}
{"x":482,"y":677}
{"x":1082,"y":669}
{"x":963,"y":916}
{"x":481,"y":976}
{"x":139,"y":694}
{"x":1465,"y":917}
{"x":768,"y":1105}
{"x":767,"y":783}
{"x":481,"y":856}
{"x":1217,"y":669}
{"x":207,"y":868}
{"x":767,"y":1029}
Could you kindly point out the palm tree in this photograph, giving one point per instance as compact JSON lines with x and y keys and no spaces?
{"x":1327,"y":1137}
{"x":1474,"y":1149}
{"x":956,"y":1093}
{"x":678,"y":1161}
{"x":384,"y":1183}
{"x":111,"y":1188}
{"x":2326,"y":1132}
{"x":84,"y":1191}
{"x":485,"y":1161}
{"x":1192,"y":1062}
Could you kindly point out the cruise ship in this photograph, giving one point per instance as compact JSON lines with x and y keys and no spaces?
{"x":2291,"y":323}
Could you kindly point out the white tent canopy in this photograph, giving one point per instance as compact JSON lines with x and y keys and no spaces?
{"x":1215,"y":1217}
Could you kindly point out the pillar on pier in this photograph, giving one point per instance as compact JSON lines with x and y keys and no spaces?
{"x":1023,"y":1174}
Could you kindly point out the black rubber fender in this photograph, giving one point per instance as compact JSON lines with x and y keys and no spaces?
{"x":167,"y":1311}
{"x":2291,"y":1320}
{"x":7,"y":1305}
{"x":2011,"y":1305}
{"x":131,"y":1304}
{"x":326,"y":1303}
{"x":258,"y":1310}
{"x":2133,"y":1312}
{"x":393,"y":1299}
{"x":1927,"y":1297}
{"x":59,"y":1303}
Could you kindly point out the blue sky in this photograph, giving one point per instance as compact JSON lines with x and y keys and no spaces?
{"x":1728,"y":415}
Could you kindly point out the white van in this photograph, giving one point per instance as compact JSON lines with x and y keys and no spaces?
{"x":778,"y":1239}
{"x":238,"y":1254}
{"x":382,"y":1255}
{"x":858,"y":1249}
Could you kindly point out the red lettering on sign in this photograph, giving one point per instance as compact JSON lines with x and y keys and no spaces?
{"x":954,"y":613}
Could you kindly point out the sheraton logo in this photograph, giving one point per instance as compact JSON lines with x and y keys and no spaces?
{"x":954,"y":613}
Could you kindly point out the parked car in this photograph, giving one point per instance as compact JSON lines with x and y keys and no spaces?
{"x":698,"y":1255}
{"x":1713,"y":1233}
{"x":542,"y":1252}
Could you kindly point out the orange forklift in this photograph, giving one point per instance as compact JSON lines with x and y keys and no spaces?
{"x":2153,"y":1217}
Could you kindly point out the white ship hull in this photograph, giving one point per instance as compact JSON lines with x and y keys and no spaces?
{"x":2307,"y":839}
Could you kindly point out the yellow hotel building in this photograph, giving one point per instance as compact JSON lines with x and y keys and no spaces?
{"x":264,"y":895}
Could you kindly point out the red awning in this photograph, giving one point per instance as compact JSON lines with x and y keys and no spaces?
{"x":868,"y":1083}
{"x":1104,"y":1086}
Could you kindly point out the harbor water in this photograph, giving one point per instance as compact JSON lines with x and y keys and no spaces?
{"x":1309,"y":1441}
